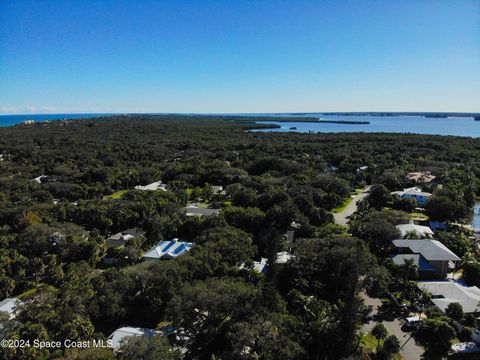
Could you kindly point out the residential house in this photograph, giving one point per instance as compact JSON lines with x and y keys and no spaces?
{"x":158,"y":185}
{"x":414,"y":193}
{"x":262,"y":266}
{"x":9,"y":306}
{"x":446,"y":292}
{"x":194,"y":210}
{"x":127,"y":331}
{"x":434,"y":260}
{"x":164,"y":250}
{"x":122,"y":238}
{"x":420,"y":177}
{"x":413,"y":229}
{"x":217,"y":190}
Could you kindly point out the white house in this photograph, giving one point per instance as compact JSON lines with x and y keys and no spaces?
{"x":419,"y":230}
{"x":9,"y":306}
{"x":167,"y":250}
{"x":414,"y":193}
{"x":262,"y":266}
{"x":158,"y":185}
{"x":125,"y":332}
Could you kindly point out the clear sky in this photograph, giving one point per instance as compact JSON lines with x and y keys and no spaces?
{"x":239,"y":56}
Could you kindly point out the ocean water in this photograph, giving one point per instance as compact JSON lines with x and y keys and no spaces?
{"x":458,"y":126}
{"x":9,"y":120}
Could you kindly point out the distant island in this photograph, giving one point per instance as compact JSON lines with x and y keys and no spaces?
{"x":344,"y":122}
{"x":440,"y":116}
{"x":425,"y":114}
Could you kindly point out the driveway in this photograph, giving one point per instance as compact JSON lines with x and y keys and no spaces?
{"x":342,"y":218}
{"x":409,"y":349}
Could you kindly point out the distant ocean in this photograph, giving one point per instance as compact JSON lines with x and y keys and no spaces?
{"x":9,"y":120}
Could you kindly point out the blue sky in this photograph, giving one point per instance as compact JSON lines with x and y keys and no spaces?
{"x":239,"y":56}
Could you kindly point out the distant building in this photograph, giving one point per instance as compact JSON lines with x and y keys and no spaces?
{"x":361,"y":169}
{"x":158,"y":185}
{"x":418,"y":230}
{"x":217,"y":190}
{"x":434,"y":260}
{"x":262,"y":266}
{"x":414,"y":193}
{"x":170,"y":249}
{"x":28,"y":122}
{"x":38,"y":179}
{"x":9,"y":306}
{"x":420,"y":177}
{"x":127,"y":331}
{"x":446,"y":292}
{"x":122,"y":238}
{"x":193,"y":210}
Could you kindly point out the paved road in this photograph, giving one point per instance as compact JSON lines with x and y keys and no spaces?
{"x":410,"y":350}
{"x":342,"y":217}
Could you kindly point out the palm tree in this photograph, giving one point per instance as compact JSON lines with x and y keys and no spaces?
{"x":380,"y":332}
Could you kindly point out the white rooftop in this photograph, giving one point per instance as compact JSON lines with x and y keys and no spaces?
{"x":158,"y":185}
{"x":124,"y":332}
{"x":446,"y":292}
{"x":9,"y":305}
{"x":167,"y":250}
{"x":422,"y":231}
{"x":412,"y":191}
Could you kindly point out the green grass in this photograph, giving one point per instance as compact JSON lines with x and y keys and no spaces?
{"x":418,"y":215}
{"x":30,"y":292}
{"x":116,"y":195}
{"x":347,"y":201}
{"x":369,"y":342}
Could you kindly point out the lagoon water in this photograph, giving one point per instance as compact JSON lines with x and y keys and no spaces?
{"x":458,"y":126}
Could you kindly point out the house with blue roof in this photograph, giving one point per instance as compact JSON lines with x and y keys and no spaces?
{"x":433,"y":259}
{"x":165,"y":250}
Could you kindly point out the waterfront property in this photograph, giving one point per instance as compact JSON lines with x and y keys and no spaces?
{"x":434,"y":260}
{"x":170,"y":249}
{"x":446,"y":292}
{"x":414,"y":193}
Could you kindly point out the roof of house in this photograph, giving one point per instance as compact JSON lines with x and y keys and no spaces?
{"x":412,"y":191}
{"x":418,"y":229}
{"x":431,"y":250}
{"x":192,"y":210}
{"x":9,"y":305}
{"x":420,"y":176}
{"x":447,"y":292}
{"x":127,"y":234}
{"x":158,"y":185}
{"x":124,"y":332}
{"x":418,"y":260}
{"x":262,"y":265}
{"x":168,"y":249}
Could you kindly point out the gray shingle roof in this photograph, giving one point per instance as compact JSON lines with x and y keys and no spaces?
{"x":431,"y":250}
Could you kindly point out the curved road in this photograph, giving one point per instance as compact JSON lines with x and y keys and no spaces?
{"x":342,"y":218}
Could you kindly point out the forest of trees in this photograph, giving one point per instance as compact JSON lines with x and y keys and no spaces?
{"x":53,"y":233}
